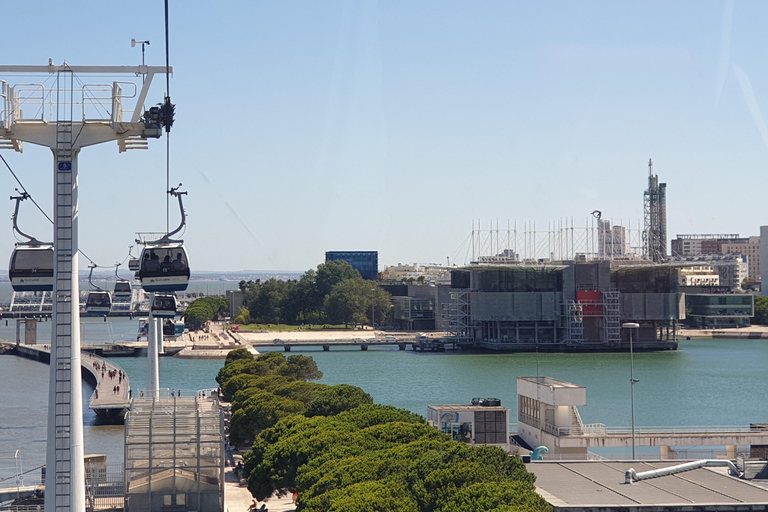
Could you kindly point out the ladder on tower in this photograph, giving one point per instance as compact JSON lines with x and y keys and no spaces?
{"x":612,"y":315}
{"x":60,"y":352}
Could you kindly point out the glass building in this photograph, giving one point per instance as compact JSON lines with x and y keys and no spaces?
{"x":365,"y":262}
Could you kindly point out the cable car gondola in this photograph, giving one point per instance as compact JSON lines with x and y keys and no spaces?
{"x":99,"y":301}
{"x":164,"y":306}
{"x":164,"y":262}
{"x":31,"y":266}
{"x":122,"y":289}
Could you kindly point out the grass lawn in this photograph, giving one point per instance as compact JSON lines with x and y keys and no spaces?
{"x":291,"y":328}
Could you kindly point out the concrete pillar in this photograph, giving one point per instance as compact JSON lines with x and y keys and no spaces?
{"x":665,"y":452}
{"x":153,"y":375}
{"x":730,"y":451}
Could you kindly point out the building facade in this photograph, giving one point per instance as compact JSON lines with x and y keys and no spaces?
{"x":365,"y":262}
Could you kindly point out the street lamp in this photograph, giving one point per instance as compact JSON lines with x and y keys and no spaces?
{"x":373,"y":301}
{"x":632,"y":380}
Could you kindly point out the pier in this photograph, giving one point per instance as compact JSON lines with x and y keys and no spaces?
{"x":108,"y":404}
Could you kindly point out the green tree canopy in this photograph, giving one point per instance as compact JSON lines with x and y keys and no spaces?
{"x":331,"y":273}
{"x":761,"y":311}
{"x":337,"y":399}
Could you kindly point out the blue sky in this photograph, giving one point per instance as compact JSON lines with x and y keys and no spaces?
{"x":310,"y":126}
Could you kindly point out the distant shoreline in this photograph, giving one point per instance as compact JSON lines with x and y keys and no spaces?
{"x":752,"y":332}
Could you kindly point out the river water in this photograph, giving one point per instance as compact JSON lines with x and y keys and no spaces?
{"x":704,"y":383}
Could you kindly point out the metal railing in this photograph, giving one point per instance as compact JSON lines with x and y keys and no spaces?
{"x":603,"y":430}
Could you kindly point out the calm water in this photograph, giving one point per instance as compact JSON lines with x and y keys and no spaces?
{"x":706,"y":382}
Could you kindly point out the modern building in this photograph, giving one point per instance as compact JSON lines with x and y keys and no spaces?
{"x":365,"y":262}
{"x":174,"y":455}
{"x":569,"y":306}
{"x":719,"y":310}
{"x":485,"y":422}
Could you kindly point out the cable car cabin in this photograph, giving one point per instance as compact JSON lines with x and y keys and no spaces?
{"x":164,"y":268}
{"x":99,"y":302}
{"x":122,"y":289}
{"x":134,"y":264}
{"x":164,"y":306}
{"x":31,"y":268}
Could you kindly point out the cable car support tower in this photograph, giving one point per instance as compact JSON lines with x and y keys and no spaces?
{"x":53,"y":123}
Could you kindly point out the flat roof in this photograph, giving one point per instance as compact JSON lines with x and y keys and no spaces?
{"x":469,"y":407}
{"x":599,"y":485}
{"x":550,"y":381}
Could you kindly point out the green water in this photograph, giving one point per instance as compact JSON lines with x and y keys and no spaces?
{"x":704,"y":383}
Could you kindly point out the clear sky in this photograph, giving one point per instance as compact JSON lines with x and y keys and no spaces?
{"x":306,"y":126}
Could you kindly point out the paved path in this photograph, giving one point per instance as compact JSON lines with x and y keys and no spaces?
{"x":109,"y":377}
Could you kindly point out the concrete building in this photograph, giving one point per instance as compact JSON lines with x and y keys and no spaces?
{"x":685,"y":246}
{"x":612,"y":240}
{"x":698,"y":275}
{"x":750,"y":248}
{"x":730,"y":268}
{"x":566,"y":306}
{"x":696,"y":245}
{"x":484,"y":422}
{"x":764,"y":257}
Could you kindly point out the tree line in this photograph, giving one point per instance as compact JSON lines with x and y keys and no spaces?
{"x":342,"y":452}
{"x":334,"y":293}
{"x":204,"y":310}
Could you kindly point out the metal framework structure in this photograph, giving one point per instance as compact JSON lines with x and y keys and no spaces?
{"x":459,"y":317}
{"x":174,"y":455}
{"x":655,"y":218}
{"x":67,"y":118}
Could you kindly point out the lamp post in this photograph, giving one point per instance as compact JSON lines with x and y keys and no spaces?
{"x":632,"y":380}
{"x":373,"y":301}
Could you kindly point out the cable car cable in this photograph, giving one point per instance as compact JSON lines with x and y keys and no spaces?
{"x":23,"y":189}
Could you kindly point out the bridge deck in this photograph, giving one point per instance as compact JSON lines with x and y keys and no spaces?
{"x":105,"y":400}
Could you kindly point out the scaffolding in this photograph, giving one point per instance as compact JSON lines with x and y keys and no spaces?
{"x":574,"y":322}
{"x":174,"y":455}
{"x":612,"y":316}
{"x":655,"y":218}
{"x":459,"y":318}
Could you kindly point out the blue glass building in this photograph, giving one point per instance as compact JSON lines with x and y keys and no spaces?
{"x":365,"y":262}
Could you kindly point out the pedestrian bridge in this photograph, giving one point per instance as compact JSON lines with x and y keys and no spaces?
{"x":111,"y":397}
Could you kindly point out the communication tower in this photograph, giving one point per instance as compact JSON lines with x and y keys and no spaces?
{"x":655,"y":216}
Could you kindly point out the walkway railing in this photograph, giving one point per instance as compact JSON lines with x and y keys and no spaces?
{"x":603,"y":430}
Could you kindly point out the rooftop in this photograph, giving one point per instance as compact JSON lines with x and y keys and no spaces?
{"x":599,"y":485}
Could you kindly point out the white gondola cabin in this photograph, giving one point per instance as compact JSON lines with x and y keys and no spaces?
{"x":99,"y":301}
{"x":164,"y":306}
{"x":31,"y":268}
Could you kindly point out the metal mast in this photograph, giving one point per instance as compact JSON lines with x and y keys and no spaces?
{"x":655,"y":217}
{"x":56,"y":126}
